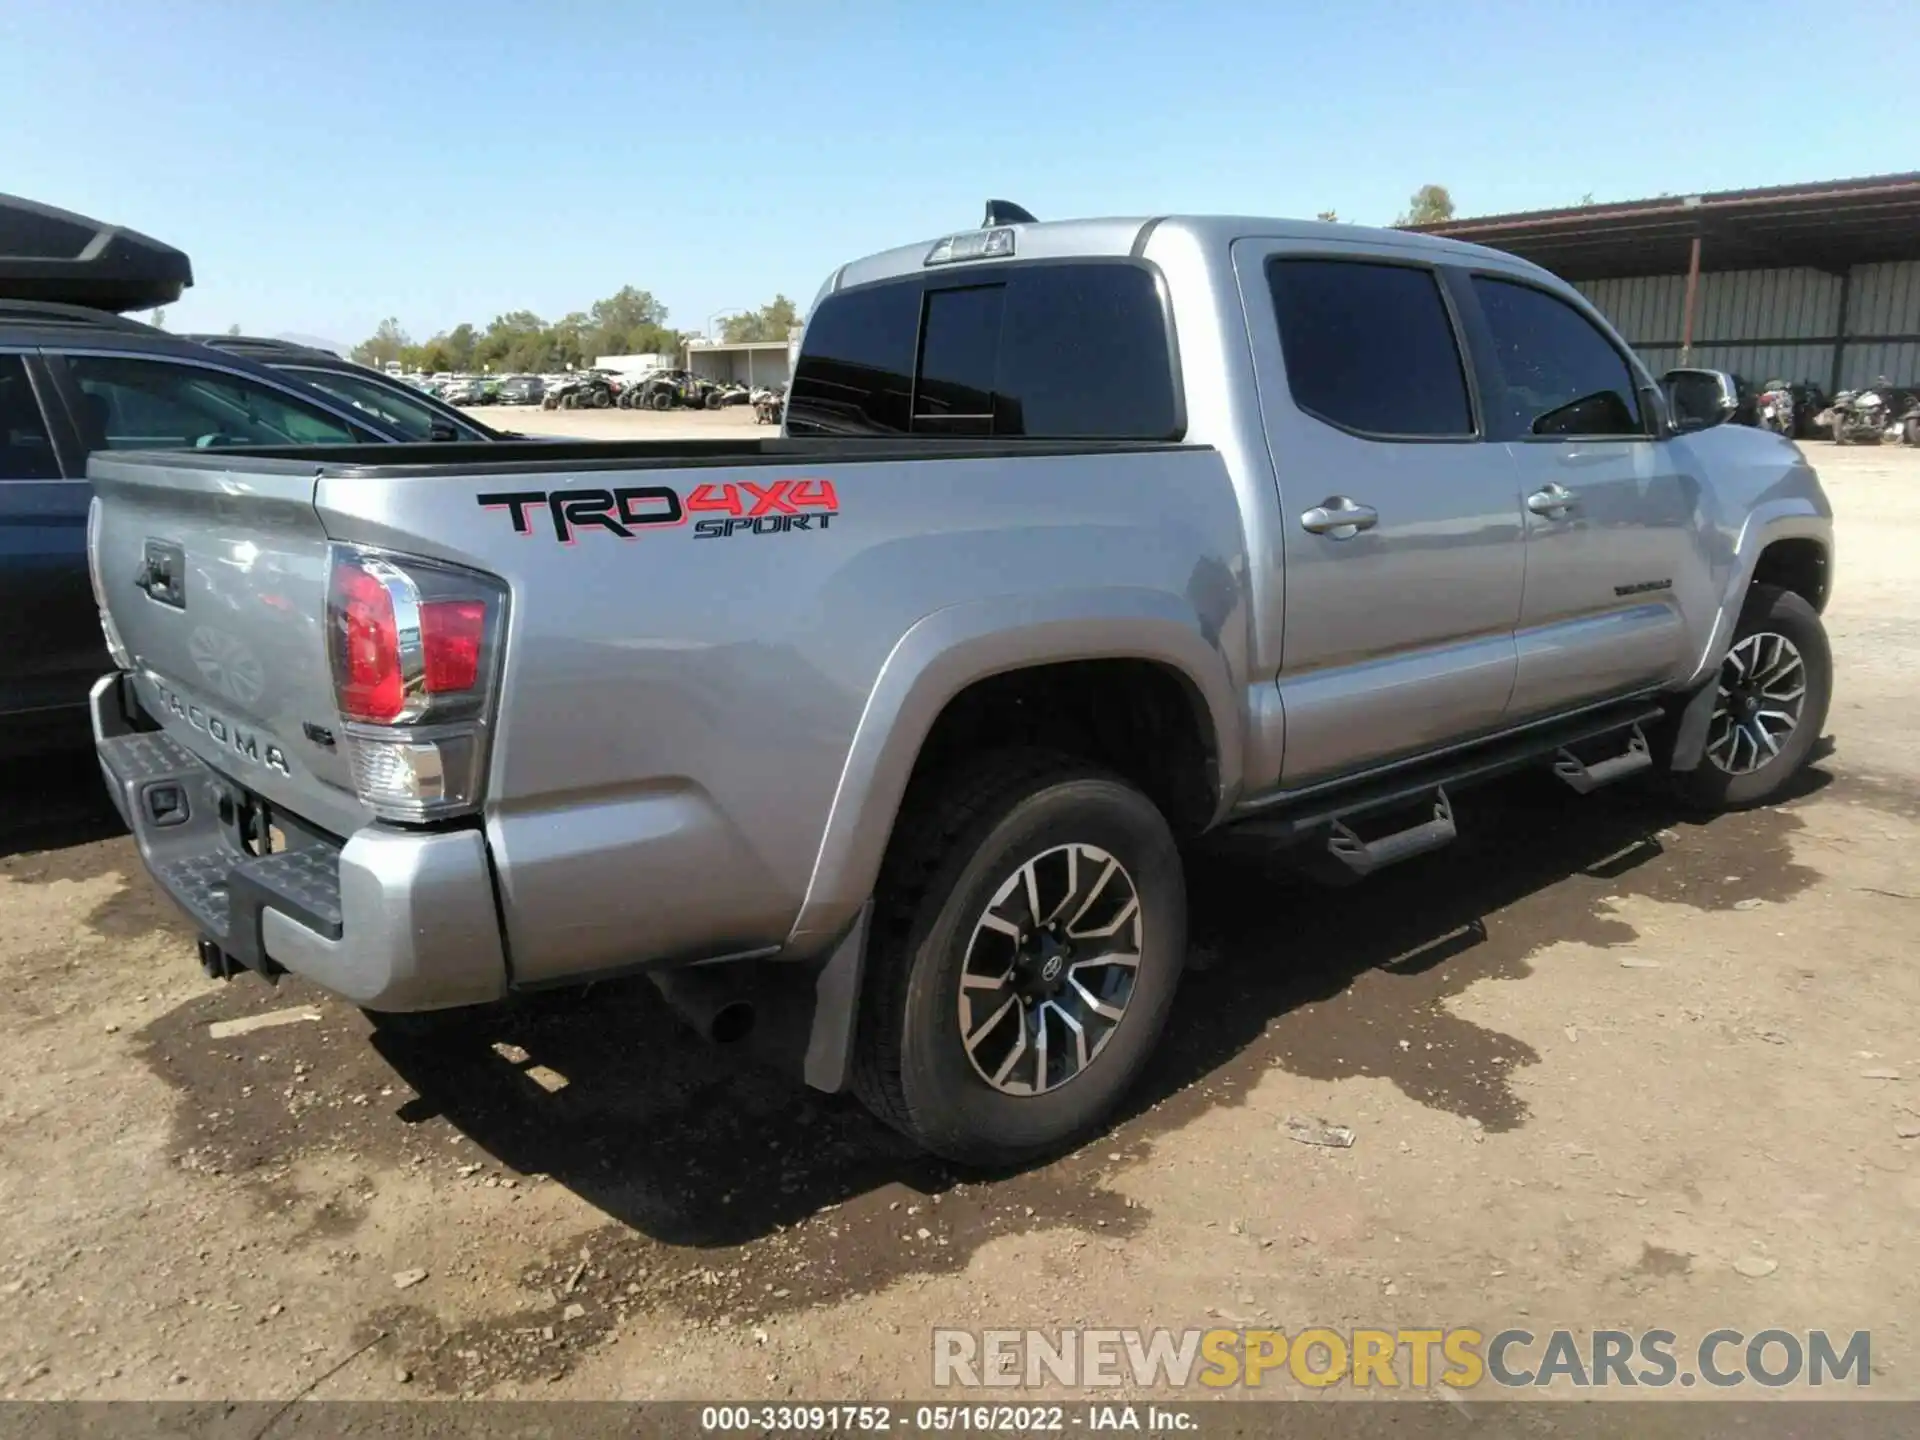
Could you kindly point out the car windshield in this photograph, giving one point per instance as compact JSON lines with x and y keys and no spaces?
{"x":403,"y":412}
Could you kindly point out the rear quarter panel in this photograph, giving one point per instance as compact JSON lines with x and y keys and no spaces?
{"x":679,"y":713}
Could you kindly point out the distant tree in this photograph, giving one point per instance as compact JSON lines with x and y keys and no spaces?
{"x":385,"y":344}
{"x":1429,"y":206}
{"x":630,"y":321}
{"x":158,"y":318}
{"x":1330,"y":216}
{"x":1587,"y":199}
{"x":770,"y":322}
{"x":234,"y":328}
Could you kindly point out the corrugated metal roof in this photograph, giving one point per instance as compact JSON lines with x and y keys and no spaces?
{"x":1827,"y":226}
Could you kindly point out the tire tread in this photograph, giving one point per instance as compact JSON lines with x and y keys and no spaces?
{"x":934,"y":816}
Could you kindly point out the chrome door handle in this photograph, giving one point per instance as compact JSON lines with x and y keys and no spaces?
{"x":1339,"y":518}
{"x":1553,"y":502}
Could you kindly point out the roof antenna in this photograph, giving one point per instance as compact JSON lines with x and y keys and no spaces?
{"x":1005,"y":212}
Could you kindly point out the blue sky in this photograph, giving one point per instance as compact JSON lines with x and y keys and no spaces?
{"x":326,"y":164}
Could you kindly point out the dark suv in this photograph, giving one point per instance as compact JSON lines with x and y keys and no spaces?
{"x":76,"y":377}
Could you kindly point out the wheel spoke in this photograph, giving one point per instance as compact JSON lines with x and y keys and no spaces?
{"x":1030,"y":876}
{"x":993,"y":922}
{"x":1093,"y":895}
{"x":1079,"y":1035}
{"x":1760,"y":737}
{"x":1040,"y":1050}
{"x":1106,"y":1012}
{"x":1073,"y":885}
{"x":971,"y":981}
{"x":1114,"y":957}
{"x":973,"y":1040}
{"x":1127,"y":912}
{"x":1013,"y":1057}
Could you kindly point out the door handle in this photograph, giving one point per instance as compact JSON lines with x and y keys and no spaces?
{"x":1339,"y":518}
{"x":1553,"y":502}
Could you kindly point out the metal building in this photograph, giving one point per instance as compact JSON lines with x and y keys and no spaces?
{"x":1795,"y":282}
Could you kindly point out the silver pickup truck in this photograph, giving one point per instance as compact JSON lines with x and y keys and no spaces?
{"x":1083,"y":538}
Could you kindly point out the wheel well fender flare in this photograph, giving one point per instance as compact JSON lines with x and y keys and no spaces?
{"x":945,"y":652}
{"x":1795,"y":518}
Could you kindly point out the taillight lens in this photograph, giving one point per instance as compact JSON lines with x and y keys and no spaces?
{"x":415,"y":649}
{"x":450,"y":635}
{"x":368,"y":683}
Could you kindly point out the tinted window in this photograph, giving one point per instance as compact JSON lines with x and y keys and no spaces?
{"x":26,"y":452}
{"x":1563,"y":377}
{"x":140,"y":404}
{"x":405,"y":414}
{"x":959,"y":353}
{"x":856,"y":370}
{"x":1078,"y":351}
{"x":1086,"y":355}
{"x":1370,"y":347}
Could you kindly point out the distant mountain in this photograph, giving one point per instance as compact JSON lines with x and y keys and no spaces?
{"x":314,"y":342}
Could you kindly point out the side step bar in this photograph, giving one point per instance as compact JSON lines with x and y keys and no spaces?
{"x":1585,"y":778}
{"x":1330,"y":811}
{"x":1363,"y":857}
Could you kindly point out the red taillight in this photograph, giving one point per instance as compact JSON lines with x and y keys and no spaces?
{"x":368,"y":681}
{"x":450,"y":635}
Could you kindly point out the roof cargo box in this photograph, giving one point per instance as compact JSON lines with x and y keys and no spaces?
{"x":49,"y":254}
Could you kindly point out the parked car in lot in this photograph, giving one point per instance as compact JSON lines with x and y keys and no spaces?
{"x":80,"y":378}
{"x":1083,"y":539}
{"x":522,"y":390}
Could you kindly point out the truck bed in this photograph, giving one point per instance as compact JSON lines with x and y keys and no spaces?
{"x":545,"y":456}
{"x":710,"y":647}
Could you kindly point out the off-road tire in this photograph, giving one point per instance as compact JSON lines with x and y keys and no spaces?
{"x":959,"y":836}
{"x":1770,"y":610}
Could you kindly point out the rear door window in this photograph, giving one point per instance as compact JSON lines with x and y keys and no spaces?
{"x":26,"y":449}
{"x":1370,"y":348}
{"x":1056,"y":351}
{"x":136,"y":403}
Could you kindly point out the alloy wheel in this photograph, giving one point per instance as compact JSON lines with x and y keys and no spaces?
{"x":1763,"y":690}
{"x":1050,"y":969}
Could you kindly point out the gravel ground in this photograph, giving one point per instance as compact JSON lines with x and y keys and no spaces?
{"x":1606,"y":1065}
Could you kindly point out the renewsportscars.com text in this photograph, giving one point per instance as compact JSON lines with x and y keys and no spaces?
{"x":1459,"y":1358}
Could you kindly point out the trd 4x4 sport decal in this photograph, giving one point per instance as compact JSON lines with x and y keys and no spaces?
{"x":779,"y":507}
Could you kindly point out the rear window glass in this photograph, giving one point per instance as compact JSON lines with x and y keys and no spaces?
{"x":1058,"y":352}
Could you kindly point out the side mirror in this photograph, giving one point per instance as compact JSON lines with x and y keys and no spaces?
{"x":1699,"y":399}
{"x":442,"y":430}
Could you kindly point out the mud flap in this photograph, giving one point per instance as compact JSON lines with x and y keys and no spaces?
{"x":1690,"y":724}
{"x":836,"y":1009}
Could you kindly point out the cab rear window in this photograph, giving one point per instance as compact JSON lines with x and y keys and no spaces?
{"x":1073,"y":351}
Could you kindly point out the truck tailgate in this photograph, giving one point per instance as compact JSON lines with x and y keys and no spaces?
{"x":216,"y":581}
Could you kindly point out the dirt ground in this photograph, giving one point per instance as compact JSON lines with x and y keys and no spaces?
{"x":1607,"y":1066}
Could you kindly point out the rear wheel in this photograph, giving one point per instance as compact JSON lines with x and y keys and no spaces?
{"x":1029,"y":938}
{"x":1771,"y":704}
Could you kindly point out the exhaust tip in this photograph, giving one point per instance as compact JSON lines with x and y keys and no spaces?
{"x":731,"y":1023}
